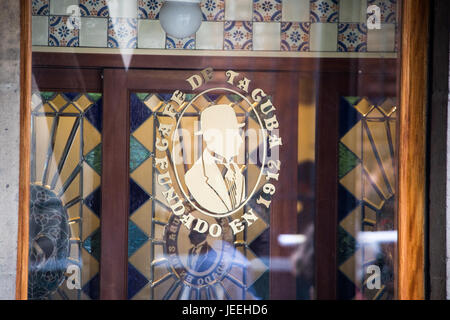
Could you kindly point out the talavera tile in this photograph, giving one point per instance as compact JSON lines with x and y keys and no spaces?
{"x":63,"y":32}
{"x":93,"y":32}
{"x":295,"y":10}
{"x":63,"y":7}
{"x":295,"y":36}
{"x":122,"y":33}
{"x":382,"y":40}
{"x":352,"y":10}
{"x":238,"y":35}
{"x":187,"y":43}
{"x":267,"y":10}
{"x":213,"y":10}
{"x":210,"y":36}
{"x":266,"y":36}
{"x":324,"y":10}
{"x":352,"y":37}
{"x":39,"y":31}
{"x":96,"y":8}
{"x":323,"y":37}
{"x":149,"y":9}
{"x":40,"y":7}
{"x":239,"y":10}
{"x":151,"y":34}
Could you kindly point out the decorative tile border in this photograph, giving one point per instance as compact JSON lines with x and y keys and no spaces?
{"x":122,"y":33}
{"x":213,"y":10}
{"x":238,"y":35}
{"x":96,"y":8}
{"x":267,"y":10}
{"x":352,"y":35}
{"x":295,"y":36}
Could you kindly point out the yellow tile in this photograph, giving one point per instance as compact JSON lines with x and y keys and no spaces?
{"x":371,"y":165}
{"x":90,"y":267}
{"x":43,"y":127}
{"x":70,"y":109}
{"x":364,"y":106}
{"x":83,"y":102}
{"x":142,"y":217}
{"x":388,"y":107}
{"x":91,"y":137}
{"x":375,"y":113}
{"x":72,"y":160}
{"x":352,"y":139}
{"x":91,"y":180}
{"x":72,"y":191}
{"x":141,"y":259}
{"x":143,"y":175}
{"x":353,"y":182}
{"x":75,"y":229}
{"x":352,"y":222}
{"x":58,"y":102}
{"x":380,"y":138}
{"x":90,"y":222}
{"x":153,"y":102}
{"x":144,"y":134}
{"x":348,"y":268}
{"x":65,"y":126}
{"x":74,"y":212}
{"x":370,"y":195}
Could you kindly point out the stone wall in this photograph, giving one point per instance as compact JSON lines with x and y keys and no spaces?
{"x":9,"y":143}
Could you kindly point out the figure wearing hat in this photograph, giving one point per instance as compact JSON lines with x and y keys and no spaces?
{"x":215,"y":180}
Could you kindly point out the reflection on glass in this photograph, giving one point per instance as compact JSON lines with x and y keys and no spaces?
{"x":366,"y":232}
{"x":65,"y":196}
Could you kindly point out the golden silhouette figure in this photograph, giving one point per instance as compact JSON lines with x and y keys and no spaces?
{"x":215,"y":180}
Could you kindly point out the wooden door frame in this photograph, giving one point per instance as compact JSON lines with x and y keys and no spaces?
{"x":413,"y":84}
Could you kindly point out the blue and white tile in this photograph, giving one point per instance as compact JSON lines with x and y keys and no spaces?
{"x":187,"y":43}
{"x":324,"y":10}
{"x":352,"y":37}
{"x":267,"y":10}
{"x":295,"y":36}
{"x":388,"y":9}
{"x":213,"y":10}
{"x":238,"y":35}
{"x":149,"y":9}
{"x":40,"y":7}
{"x":63,"y":32}
{"x":96,"y":8}
{"x":122,"y":33}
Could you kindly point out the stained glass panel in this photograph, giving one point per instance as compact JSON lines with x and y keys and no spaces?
{"x":366,"y":231}
{"x":65,"y":196}
{"x":161,"y":253}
